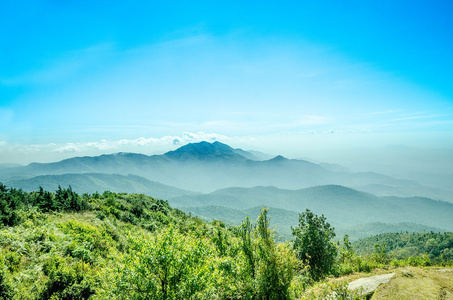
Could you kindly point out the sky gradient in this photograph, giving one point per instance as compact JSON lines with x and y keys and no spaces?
{"x":92,"y":77}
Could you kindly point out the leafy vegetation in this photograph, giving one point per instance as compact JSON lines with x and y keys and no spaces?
{"x":314,"y":244}
{"x":62,"y":245}
{"x":438,"y":246}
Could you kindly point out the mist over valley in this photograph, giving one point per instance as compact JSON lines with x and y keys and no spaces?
{"x":216,"y":181}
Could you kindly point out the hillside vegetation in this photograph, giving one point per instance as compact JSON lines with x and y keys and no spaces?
{"x":99,"y":182}
{"x":403,"y":245}
{"x":61,"y":245}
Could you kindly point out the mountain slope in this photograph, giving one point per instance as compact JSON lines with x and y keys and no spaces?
{"x":208,"y":151}
{"x":283,"y":219}
{"x":342,"y":206}
{"x":96,"y":182}
{"x":206,"y":167}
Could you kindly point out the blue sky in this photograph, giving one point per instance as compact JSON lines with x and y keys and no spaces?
{"x":88,"y":77}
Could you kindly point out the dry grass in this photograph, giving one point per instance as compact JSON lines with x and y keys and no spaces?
{"x":358,"y":275}
{"x":423,"y":284}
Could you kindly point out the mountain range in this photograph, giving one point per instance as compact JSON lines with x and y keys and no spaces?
{"x":343,"y":207}
{"x":206,"y":167}
{"x":282,"y":220}
{"x":215,"y":181}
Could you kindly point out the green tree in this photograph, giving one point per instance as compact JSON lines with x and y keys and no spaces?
{"x":247,"y":245}
{"x":65,"y":281}
{"x":45,"y":201}
{"x":346,"y":250}
{"x":10,"y":202}
{"x":269,"y":267}
{"x":275,"y":263}
{"x":314,"y":245}
{"x":68,"y":200}
{"x":381,"y":254}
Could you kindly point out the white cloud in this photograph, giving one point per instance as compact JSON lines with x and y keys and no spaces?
{"x":120,"y":145}
{"x":52,"y":152}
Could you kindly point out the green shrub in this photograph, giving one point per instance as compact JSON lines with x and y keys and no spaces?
{"x":13,"y":261}
{"x":166,"y":266}
{"x":6,"y":291}
{"x":65,"y":281}
{"x":313,"y":244}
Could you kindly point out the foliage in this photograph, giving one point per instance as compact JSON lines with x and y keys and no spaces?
{"x":381,"y":254}
{"x":6,"y":292}
{"x":167,"y":266}
{"x":275,"y":264}
{"x":313,"y":244}
{"x":63,"y":245}
{"x":68,"y":200}
{"x":438,"y":246}
{"x":334,"y":290}
{"x":10,"y":201}
{"x":65,"y":281}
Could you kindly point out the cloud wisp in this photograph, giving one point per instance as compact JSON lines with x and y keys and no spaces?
{"x":53,"y":151}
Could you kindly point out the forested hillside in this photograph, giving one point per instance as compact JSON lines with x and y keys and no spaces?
{"x":62,"y":245}
{"x":126,"y":246}
{"x":99,"y":182}
{"x":403,"y":245}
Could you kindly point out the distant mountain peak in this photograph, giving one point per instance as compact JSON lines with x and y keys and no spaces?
{"x":204,"y":151}
{"x":279,"y":158}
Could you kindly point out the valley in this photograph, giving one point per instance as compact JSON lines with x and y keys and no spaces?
{"x":215,"y":181}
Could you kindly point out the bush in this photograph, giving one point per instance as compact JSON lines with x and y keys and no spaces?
{"x":6,"y":291}
{"x":65,"y":282}
{"x":166,"y":266}
{"x":313,"y":244}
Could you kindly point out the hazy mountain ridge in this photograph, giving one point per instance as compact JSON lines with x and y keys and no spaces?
{"x":343,"y":207}
{"x":206,"y":167}
{"x":347,"y":209}
{"x":282,"y":220}
{"x":8,"y":165}
{"x":236,"y":182}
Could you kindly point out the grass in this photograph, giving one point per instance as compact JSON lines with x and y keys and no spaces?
{"x":423,"y":283}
